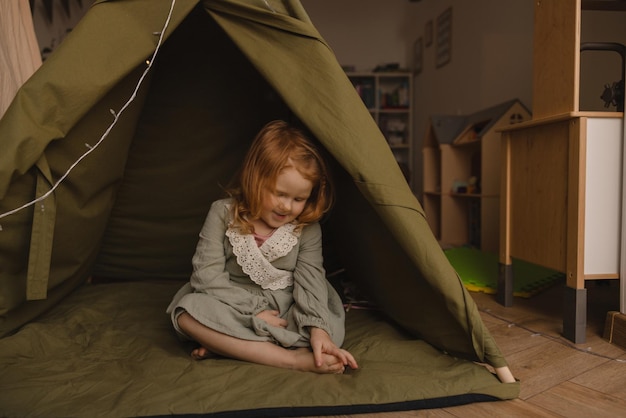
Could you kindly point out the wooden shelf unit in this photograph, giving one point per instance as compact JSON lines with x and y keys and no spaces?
{"x":389,"y":98}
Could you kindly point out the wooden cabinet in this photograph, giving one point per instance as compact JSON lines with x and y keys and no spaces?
{"x":389,"y":98}
{"x":562,"y":179}
{"x":461,"y":176}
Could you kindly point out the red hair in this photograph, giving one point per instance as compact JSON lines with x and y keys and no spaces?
{"x":277,"y":146}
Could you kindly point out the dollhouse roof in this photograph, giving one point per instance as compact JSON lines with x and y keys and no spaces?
{"x":448,"y":128}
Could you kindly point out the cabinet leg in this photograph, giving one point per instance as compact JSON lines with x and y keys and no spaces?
{"x":505,"y":285}
{"x":575,"y":315}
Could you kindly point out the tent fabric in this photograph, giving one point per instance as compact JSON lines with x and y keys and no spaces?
{"x":131,"y":210}
{"x":130,"y":363}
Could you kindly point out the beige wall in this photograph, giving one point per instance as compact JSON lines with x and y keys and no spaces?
{"x":599,"y":68}
{"x":53,"y":25}
{"x":363,"y":33}
{"x":491,"y":50}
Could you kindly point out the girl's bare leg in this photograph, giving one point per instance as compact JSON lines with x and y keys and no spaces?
{"x":254,"y":351}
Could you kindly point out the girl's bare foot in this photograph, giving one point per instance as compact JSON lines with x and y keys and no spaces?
{"x":505,"y":375}
{"x":201,"y":353}
{"x":304,"y":361}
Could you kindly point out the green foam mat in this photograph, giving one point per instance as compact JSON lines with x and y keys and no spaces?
{"x":479,"y":272}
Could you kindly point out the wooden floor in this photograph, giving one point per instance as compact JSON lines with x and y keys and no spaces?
{"x":558,"y":378}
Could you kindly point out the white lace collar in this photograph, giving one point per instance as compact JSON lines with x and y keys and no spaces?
{"x":256,"y":261}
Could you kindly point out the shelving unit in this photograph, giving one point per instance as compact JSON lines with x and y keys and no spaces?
{"x":462,"y":175}
{"x":389,"y":98}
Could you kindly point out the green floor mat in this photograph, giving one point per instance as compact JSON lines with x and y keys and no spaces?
{"x":479,"y":272}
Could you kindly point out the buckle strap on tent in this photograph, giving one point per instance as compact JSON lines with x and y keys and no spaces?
{"x":40,"y":254}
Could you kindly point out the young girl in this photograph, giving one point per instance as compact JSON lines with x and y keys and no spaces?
{"x":258,"y":291}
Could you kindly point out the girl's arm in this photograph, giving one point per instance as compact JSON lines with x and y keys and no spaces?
{"x":311,"y":289}
{"x":316,"y":301}
{"x":209,"y":265}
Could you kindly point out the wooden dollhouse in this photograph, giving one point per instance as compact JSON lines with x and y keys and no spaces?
{"x":462,"y":174}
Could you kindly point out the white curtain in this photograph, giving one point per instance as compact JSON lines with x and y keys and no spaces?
{"x":19,"y":51}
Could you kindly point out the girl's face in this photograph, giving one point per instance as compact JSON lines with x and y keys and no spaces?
{"x":287,"y":201}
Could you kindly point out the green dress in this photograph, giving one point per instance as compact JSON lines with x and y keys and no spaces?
{"x":234,"y":279}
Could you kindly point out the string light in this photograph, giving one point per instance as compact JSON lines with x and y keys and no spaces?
{"x":116,"y":116}
{"x":269,"y":7}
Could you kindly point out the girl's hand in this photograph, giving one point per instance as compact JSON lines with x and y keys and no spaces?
{"x":272,"y":318}
{"x":322,"y":344}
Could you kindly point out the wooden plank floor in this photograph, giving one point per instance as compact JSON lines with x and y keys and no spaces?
{"x":558,"y":378}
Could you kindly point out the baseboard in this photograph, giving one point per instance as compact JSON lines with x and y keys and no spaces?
{"x":615,"y":328}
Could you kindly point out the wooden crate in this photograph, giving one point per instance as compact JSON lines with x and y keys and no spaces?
{"x":615,"y":328}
